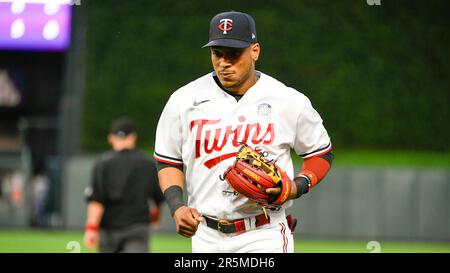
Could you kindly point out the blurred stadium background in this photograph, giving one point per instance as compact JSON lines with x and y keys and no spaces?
{"x":378,"y":74}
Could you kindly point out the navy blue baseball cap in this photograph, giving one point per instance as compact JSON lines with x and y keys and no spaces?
{"x":232,"y":29}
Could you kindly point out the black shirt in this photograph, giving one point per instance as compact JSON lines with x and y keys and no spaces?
{"x":124,"y":182}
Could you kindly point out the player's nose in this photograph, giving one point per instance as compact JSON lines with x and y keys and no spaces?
{"x":225,"y":62}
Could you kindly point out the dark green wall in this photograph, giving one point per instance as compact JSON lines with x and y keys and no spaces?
{"x":377,"y":74}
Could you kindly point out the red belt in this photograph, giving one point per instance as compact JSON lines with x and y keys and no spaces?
{"x":233,"y":226}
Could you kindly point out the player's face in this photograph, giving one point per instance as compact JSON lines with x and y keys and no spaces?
{"x":235,"y":67}
{"x":120,"y":143}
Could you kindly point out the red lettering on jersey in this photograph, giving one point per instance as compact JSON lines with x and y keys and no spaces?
{"x":200,"y":123}
{"x":215,"y":145}
{"x":216,"y":141}
{"x":263,"y":138}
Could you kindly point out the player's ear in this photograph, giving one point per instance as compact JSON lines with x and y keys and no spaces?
{"x":255,"y":49}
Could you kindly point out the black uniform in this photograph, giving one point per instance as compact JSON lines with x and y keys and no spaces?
{"x":123,"y":182}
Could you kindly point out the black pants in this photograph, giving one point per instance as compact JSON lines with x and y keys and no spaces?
{"x":132,"y":239}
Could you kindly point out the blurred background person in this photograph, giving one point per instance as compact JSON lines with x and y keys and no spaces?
{"x":123,"y":181}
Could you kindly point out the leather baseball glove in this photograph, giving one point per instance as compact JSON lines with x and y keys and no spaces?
{"x":252,"y":173}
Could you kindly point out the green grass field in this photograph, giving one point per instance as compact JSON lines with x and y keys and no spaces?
{"x":60,"y":242}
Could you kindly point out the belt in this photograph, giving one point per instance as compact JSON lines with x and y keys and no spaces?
{"x":233,"y":226}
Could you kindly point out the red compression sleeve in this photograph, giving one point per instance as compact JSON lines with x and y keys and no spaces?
{"x":315,"y":168}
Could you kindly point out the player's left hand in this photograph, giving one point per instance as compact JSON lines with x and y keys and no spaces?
{"x":276,"y":191}
{"x":259,"y":179}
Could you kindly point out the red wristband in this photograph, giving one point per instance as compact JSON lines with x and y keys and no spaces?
{"x":91,"y":227}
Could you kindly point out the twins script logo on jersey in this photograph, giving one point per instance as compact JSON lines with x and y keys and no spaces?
{"x":209,"y":137}
{"x":225,"y":25}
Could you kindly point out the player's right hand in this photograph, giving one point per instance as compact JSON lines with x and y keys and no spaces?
{"x":187,"y":221}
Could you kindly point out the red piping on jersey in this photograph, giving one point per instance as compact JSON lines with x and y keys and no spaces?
{"x":167,"y":162}
{"x":320,"y":153}
{"x":283,"y":229}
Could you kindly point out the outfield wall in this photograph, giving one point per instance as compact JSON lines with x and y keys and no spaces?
{"x":378,"y":203}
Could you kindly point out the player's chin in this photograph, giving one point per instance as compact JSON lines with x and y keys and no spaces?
{"x":228,"y":83}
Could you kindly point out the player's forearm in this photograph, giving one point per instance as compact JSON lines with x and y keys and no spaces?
{"x":171,"y":181}
{"x":170,"y":176}
{"x":94,"y":213}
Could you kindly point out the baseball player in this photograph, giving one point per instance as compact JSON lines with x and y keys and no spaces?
{"x":203,"y":125}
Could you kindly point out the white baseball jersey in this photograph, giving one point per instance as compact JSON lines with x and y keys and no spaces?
{"x":202,"y":127}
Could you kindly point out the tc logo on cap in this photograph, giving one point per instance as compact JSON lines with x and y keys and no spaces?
{"x":225,"y":25}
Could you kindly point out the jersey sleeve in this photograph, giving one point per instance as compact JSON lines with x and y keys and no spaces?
{"x":311,"y":136}
{"x":168,"y":135}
